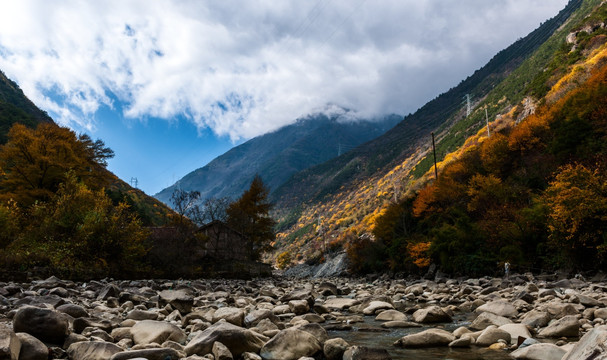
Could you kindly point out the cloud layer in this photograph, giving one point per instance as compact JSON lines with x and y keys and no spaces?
{"x":243,"y":68}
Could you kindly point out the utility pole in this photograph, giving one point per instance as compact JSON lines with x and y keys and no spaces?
{"x":487,"y":119}
{"x":434,"y":151}
{"x":134,"y":182}
{"x":468,"y":105}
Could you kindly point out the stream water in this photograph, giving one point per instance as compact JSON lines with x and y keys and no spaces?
{"x":370,"y":333}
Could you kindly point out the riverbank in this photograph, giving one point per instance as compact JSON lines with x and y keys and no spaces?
{"x":286,"y":318}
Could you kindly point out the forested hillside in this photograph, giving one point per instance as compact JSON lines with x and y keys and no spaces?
{"x":503,"y":210}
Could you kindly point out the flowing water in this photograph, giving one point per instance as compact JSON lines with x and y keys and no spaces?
{"x":371,"y":334}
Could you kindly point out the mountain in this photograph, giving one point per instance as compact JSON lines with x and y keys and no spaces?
{"x":344,"y":198}
{"x":278,"y":155}
{"x":15,"y":107}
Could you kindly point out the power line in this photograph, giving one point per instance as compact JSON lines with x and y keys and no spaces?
{"x":134,"y":182}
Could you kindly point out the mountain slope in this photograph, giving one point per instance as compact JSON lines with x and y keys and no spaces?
{"x":402,"y":140}
{"x":349,"y":194}
{"x":278,"y":155}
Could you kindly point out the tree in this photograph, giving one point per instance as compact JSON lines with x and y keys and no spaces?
{"x":184,"y":203}
{"x":34,"y":162}
{"x":250,"y":216}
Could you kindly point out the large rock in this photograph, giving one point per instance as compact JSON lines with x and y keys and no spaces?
{"x":10,"y":345}
{"x":73,"y":310}
{"x":299,"y":307}
{"x":501,"y":308}
{"x":92,"y":350}
{"x":516,"y":331}
{"x":237,"y":339}
{"x":427,"y":338}
{"x":32,"y":348}
{"x":221,"y":352}
{"x":340,"y":303}
{"x":366,"y":353}
{"x":232,"y":315}
{"x":431,"y":314}
{"x":491,"y":335}
{"x":536,"y":318}
{"x":375,"y":306}
{"x":149,"y":331}
{"x":44,"y":324}
{"x":181,"y":300}
{"x":138,"y":314}
{"x":540,"y":352}
{"x":593,"y":345}
{"x":149,"y":354}
{"x":391,"y":315}
{"x":290,"y":344}
{"x":486,"y":319}
{"x":255,"y":316}
{"x":568,"y":326}
{"x":334,"y":348}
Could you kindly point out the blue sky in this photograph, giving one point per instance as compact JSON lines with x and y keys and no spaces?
{"x":171,"y":84}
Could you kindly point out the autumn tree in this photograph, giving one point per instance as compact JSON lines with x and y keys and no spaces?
{"x":34,"y":162}
{"x":250,"y":216}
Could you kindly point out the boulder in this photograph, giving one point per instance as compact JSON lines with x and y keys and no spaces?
{"x":299,"y":307}
{"x":10,"y":345}
{"x":221,"y":352}
{"x":92,"y":350}
{"x":73,"y":310}
{"x":82,"y":323}
{"x":568,"y":326}
{"x":315,"y":330}
{"x":593,"y":345}
{"x":108,"y":291}
{"x":400,"y":324}
{"x":255,"y":316}
{"x":334,"y":348}
{"x":149,"y":354}
{"x":391,"y":315}
{"x":44,"y":324}
{"x":181,"y":300}
{"x":32,"y":348}
{"x":501,"y":308}
{"x":376,"y":305}
{"x":431,"y":314}
{"x":464,"y":341}
{"x":535,"y":318}
{"x":540,"y":351}
{"x":230,"y":314}
{"x":340,"y":303}
{"x":138,"y":314}
{"x":290,"y":344}
{"x":491,"y":335}
{"x":486,"y":319}
{"x":516,"y":331}
{"x":366,"y":353}
{"x":149,"y":331}
{"x":327,"y":289}
{"x":236,"y":338}
{"x":427,"y":338}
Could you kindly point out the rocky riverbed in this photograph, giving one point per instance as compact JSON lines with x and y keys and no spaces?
{"x":523,"y":317}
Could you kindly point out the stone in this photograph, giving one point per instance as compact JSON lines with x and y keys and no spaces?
{"x":45,"y":324}
{"x":540,"y":351}
{"x":255,"y":316}
{"x":491,"y":335}
{"x":431,"y":314}
{"x":327,"y":289}
{"x":315,"y":330}
{"x":391,"y":315}
{"x":486,"y":319}
{"x":340,"y":303}
{"x":377,"y":305}
{"x":501,"y":308}
{"x":232,"y":315}
{"x":290,"y":344}
{"x":236,"y":338}
{"x":593,"y":345}
{"x":568,"y":326}
{"x":250,"y":356}
{"x":138,"y":314}
{"x":149,"y":354}
{"x":400,"y":324}
{"x":516,"y":331}
{"x":82,"y":323}
{"x":335,"y":348}
{"x":221,"y":352}
{"x":464,"y":341}
{"x":73,"y":310}
{"x":299,"y":307}
{"x":181,"y":300}
{"x":10,"y":345}
{"x":108,"y":291}
{"x":366,"y":353}
{"x":32,"y":348}
{"x":535,"y":319}
{"x":426,"y":338}
{"x":151,"y":331}
{"x":92,"y":350}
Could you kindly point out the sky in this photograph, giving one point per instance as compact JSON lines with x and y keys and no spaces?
{"x":171,"y":84}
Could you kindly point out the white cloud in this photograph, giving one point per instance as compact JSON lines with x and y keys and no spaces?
{"x":244,"y":68}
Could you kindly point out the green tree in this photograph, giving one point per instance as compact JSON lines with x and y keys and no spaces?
{"x":250,"y":216}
